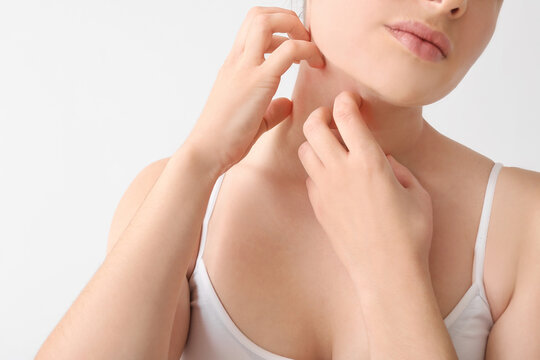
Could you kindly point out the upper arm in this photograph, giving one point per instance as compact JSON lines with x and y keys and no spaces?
{"x":132,"y":199}
{"x":516,"y":333}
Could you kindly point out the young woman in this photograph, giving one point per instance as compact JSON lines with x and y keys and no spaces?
{"x":343,"y":227}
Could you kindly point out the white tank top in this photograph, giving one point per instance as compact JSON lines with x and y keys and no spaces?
{"x":213,"y":334}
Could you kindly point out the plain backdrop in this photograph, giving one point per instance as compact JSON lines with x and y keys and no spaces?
{"x":93,"y":91}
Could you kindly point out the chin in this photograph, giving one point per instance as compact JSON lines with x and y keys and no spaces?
{"x":407,"y":94}
{"x":390,"y":74}
{"x":400,"y":82}
{"x":399,"y":91}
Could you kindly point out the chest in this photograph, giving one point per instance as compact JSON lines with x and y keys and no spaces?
{"x":282,"y":285}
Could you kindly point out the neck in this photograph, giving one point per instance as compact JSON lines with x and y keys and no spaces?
{"x":400,"y":131}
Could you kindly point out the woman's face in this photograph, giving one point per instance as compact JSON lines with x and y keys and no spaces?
{"x":352,"y":35}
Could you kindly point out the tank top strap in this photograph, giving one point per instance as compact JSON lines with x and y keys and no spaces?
{"x":480,"y":245}
{"x":208,"y":214}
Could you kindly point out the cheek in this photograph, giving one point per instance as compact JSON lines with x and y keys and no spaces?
{"x":356,"y":41}
{"x":337,"y":24}
{"x":470,"y":43}
{"x":352,"y":36}
{"x":474,"y":42}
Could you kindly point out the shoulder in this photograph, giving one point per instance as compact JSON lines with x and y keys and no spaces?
{"x":515,"y":331}
{"x":523,"y":194}
{"x":524,"y":176}
{"x":519,"y":198}
{"x":133,"y":197}
{"x":515,"y":201}
{"x":518,"y":201}
{"x":522,"y":190}
{"x":527,"y":190}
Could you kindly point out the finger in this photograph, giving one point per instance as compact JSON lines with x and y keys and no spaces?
{"x":240,"y":40}
{"x":320,"y":136}
{"x":310,"y":161}
{"x":402,"y":173}
{"x":276,"y":112}
{"x":263,"y":26}
{"x":353,"y":128}
{"x":276,"y":42}
{"x":292,"y":51}
{"x":338,"y":136}
{"x":313,"y":195}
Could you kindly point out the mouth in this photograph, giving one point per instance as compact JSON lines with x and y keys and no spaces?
{"x":421,"y":39}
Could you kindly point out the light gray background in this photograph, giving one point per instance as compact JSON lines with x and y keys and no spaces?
{"x":93,"y":91}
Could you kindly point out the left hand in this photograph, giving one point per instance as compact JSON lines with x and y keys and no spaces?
{"x":367,"y":202}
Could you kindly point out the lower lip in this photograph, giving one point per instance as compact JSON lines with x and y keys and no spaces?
{"x":423,"y":49}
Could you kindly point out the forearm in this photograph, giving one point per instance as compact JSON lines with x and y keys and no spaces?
{"x":401,"y":313}
{"x":126,"y":310}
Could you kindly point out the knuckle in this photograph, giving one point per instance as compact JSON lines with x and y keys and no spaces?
{"x":255,"y":10}
{"x":321,"y":112}
{"x":370,"y":164}
{"x":291,"y":46}
{"x":292,"y":17}
{"x":261,"y":21}
{"x":285,"y":11}
{"x":291,"y":12}
{"x":343,"y":114}
{"x":303,"y":148}
{"x":314,"y":119}
{"x":342,"y":110}
{"x":309,"y":126}
{"x":378,"y":165}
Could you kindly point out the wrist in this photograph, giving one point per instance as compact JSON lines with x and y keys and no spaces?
{"x":375,"y":270}
{"x":196,"y":161}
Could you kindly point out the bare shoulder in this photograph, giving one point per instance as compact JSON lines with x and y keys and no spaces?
{"x":519,"y":202}
{"x":526,"y":176}
{"x":527,"y":184}
{"x":515,"y":203}
{"x":523,"y":185}
{"x":522,"y":194}
{"x":132,"y":198}
{"x":516,"y":330}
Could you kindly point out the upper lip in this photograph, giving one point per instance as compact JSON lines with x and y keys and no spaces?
{"x":437,"y":38}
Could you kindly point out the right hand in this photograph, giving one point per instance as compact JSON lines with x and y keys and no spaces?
{"x":240,"y":106}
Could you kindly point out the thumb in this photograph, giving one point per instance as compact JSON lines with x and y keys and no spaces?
{"x":402,"y":173}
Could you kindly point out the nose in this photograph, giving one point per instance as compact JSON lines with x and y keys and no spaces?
{"x":455,"y":8}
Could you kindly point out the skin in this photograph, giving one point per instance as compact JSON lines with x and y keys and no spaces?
{"x":275,"y":173}
{"x":276,"y":231}
{"x":391,"y":85}
{"x":393,"y":82}
{"x":380,"y":215}
{"x":392,"y":111}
